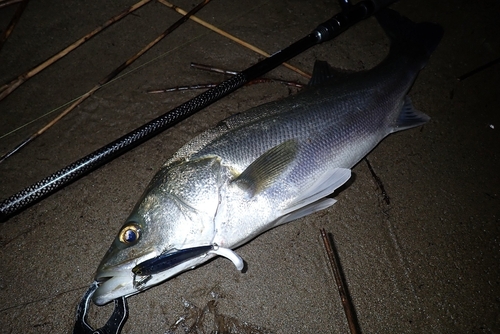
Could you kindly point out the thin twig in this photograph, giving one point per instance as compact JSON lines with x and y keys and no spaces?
{"x":341,"y":286}
{"x":379,"y":183}
{"x":182,"y":88}
{"x":231,"y":37}
{"x":479,"y":69}
{"x":212,"y":85}
{"x":209,"y":68}
{"x":8,"y":88}
{"x":284,"y":82}
{"x":13,"y":22}
{"x":107,"y":78}
{"x":255,"y":81}
{"x":5,"y":3}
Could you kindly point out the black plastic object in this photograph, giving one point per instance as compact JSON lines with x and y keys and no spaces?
{"x":113,"y":326}
{"x":166,"y":261}
{"x":324,"y":32}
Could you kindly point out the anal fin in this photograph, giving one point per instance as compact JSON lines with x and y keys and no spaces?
{"x":312,"y":199}
{"x":409,"y":117}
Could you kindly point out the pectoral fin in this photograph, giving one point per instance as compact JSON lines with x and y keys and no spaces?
{"x":266,"y":168}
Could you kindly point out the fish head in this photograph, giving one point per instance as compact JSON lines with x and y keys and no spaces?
{"x":175,"y":213}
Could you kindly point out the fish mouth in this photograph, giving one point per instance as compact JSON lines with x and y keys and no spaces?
{"x":148,"y":271}
{"x":112,"y":285}
{"x":117,"y":283}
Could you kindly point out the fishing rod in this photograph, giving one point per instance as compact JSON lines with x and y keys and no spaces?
{"x":350,"y":15}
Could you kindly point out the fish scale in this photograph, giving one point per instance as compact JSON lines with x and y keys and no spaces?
{"x":325,"y":134}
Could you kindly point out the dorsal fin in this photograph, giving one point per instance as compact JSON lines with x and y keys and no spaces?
{"x":323,"y":73}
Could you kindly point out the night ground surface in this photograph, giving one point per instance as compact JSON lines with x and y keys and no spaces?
{"x":428,"y":262}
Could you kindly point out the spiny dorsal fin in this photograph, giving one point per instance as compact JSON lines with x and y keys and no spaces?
{"x":323,"y":73}
{"x":266,"y":168}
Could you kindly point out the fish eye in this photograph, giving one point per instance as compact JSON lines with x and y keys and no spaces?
{"x":130,"y":234}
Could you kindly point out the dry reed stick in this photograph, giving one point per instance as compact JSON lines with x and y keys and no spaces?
{"x":231,"y":37}
{"x":8,"y":88}
{"x":225,"y":72}
{"x":13,"y":22}
{"x":107,"y":78}
{"x":479,"y":69}
{"x":255,"y":81}
{"x":5,"y":3}
{"x":343,"y":292}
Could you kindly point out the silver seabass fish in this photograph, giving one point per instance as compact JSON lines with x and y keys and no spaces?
{"x":267,"y":166}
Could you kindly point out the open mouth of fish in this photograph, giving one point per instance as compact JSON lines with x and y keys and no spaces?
{"x":121,"y":282}
{"x":111,"y":284}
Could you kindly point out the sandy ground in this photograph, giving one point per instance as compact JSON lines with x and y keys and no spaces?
{"x":427,"y":262}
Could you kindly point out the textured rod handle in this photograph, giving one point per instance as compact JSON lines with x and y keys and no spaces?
{"x":103,"y":155}
{"x":344,"y":20}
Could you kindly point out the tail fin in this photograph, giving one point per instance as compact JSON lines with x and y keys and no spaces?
{"x":416,"y":40}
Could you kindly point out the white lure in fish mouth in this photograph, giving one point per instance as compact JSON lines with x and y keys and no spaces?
{"x":230,"y":255}
{"x":118,"y":283}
